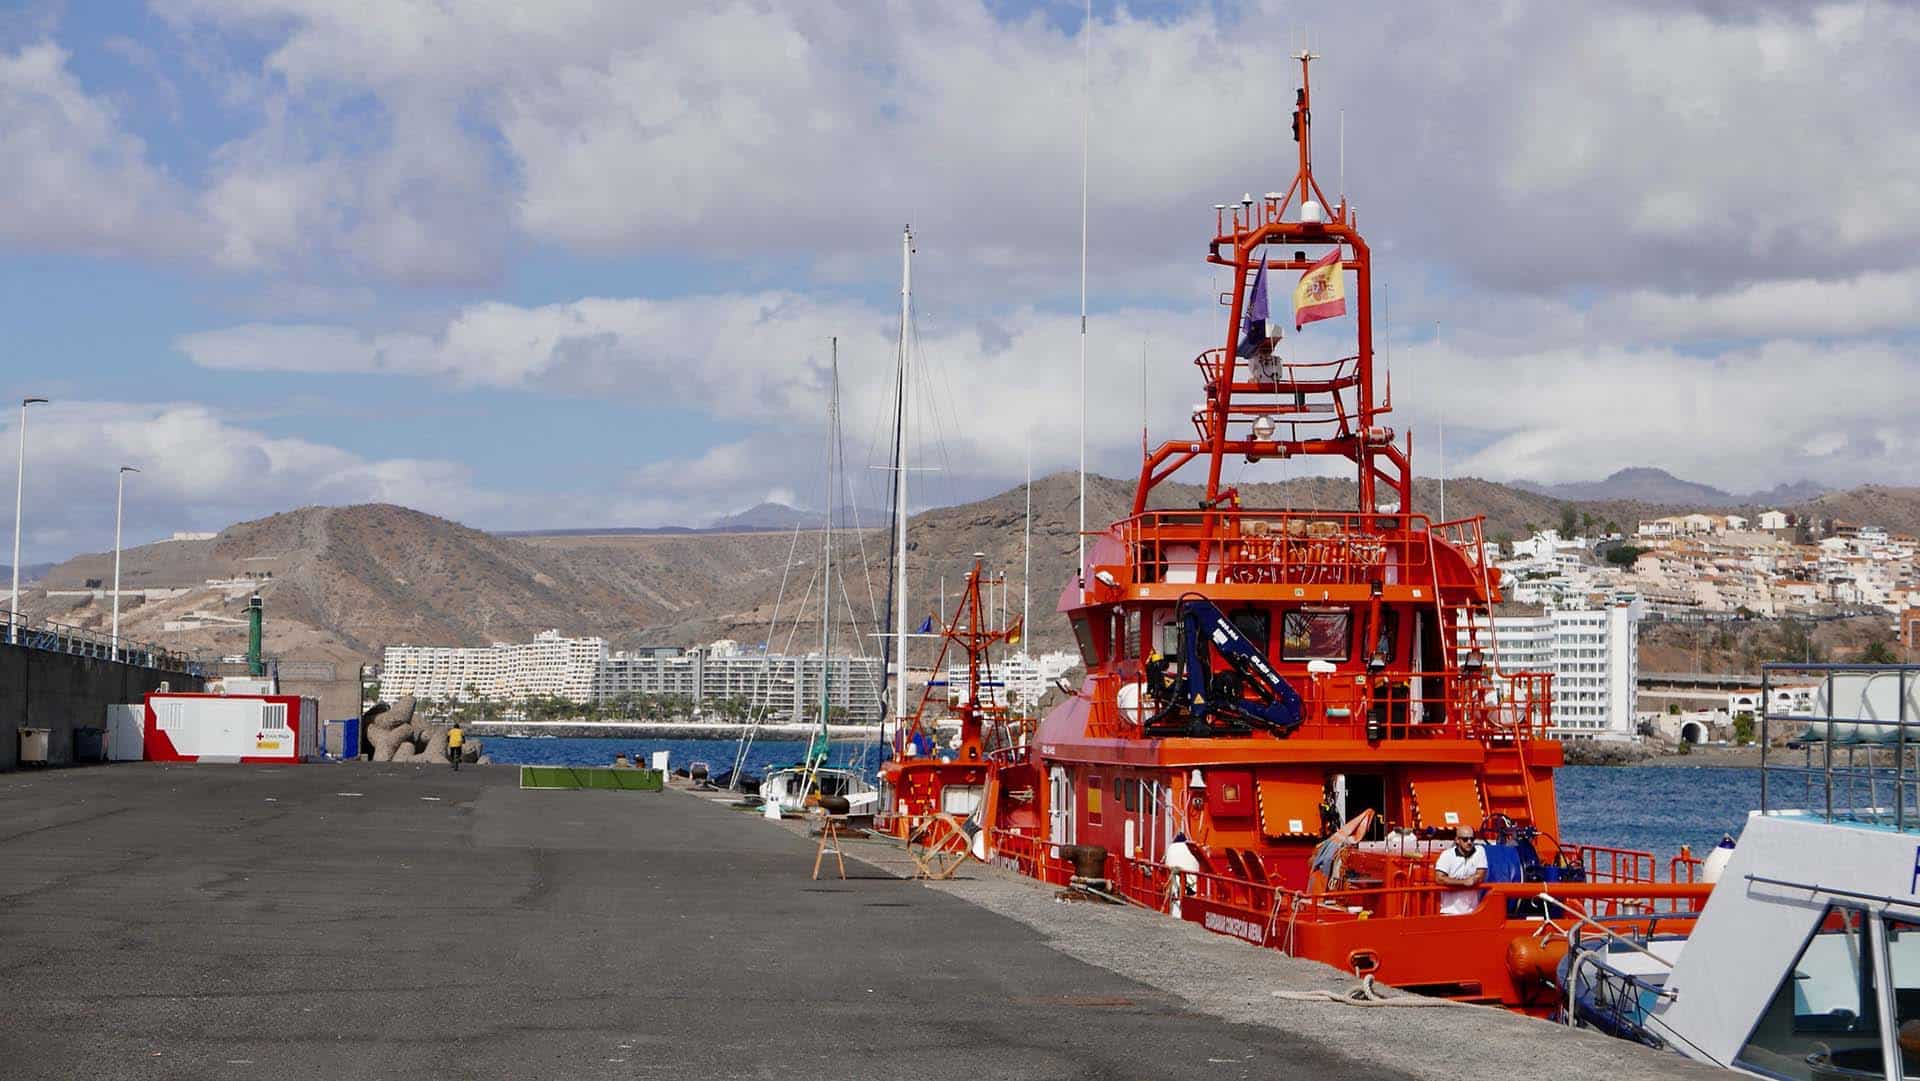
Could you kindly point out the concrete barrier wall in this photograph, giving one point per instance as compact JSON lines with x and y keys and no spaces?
{"x":61,"y":692}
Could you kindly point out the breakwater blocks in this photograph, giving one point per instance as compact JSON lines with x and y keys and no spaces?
{"x":596,"y":777}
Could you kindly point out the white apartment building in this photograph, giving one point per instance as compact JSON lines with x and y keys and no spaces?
{"x":1592,"y":649}
{"x":1020,"y":678}
{"x":549,"y":665}
{"x":769,"y":686}
{"x":582,"y":670}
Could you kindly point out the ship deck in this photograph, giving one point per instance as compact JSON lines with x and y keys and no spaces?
{"x":404,"y":921}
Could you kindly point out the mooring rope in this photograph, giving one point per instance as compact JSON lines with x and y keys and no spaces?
{"x":1364,"y":994}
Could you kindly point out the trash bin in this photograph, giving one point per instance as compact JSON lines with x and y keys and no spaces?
{"x":89,"y":745}
{"x":33,"y":746}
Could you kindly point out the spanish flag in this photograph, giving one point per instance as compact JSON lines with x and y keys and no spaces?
{"x":1322,"y":292}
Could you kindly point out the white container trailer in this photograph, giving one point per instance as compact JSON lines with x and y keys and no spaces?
{"x":231,"y":728}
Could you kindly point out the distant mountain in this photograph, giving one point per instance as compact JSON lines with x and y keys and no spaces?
{"x":1645,"y":484}
{"x":29,"y":574}
{"x":1640,"y":484}
{"x":1780,"y":495}
{"x":347,"y":581}
{"x":767,"y":516}
{"x":609,"y":531}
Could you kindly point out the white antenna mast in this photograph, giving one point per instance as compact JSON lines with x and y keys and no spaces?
{"x":900,"y":482}
{"x":1026,"y":579}
{"x":1086,"y":125}
{"x":1442,"y":449}
{"x":1143,"y":399}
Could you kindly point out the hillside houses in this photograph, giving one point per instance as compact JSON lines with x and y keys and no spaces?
{"x":1715,"y":564}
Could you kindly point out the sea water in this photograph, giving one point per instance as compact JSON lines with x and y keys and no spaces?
{"x":1650,"y":808}
{"x":718,"y":754}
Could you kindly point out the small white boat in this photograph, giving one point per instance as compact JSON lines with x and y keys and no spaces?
{"x":1805,"y":962}
{"x":796,"y":789}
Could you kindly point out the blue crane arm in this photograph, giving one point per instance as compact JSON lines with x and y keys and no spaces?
{"x":1275,"y":703}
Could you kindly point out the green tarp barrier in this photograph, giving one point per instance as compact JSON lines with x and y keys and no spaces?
{"x":566,"y":777}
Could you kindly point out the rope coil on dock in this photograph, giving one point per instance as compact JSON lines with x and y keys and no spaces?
{"x":1365,"y":994}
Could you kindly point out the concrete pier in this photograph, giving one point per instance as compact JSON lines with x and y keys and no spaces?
{"x":404,"y":921}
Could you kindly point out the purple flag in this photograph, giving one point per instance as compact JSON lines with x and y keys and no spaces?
{"x":1253,"y":329}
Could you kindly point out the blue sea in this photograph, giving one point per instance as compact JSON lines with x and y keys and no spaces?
{"x":1652,"y":808}
{"x":718,"y":754}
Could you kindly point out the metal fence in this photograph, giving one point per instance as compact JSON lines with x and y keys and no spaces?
{"x":44,"y":634}
{"x":1852,"y":753}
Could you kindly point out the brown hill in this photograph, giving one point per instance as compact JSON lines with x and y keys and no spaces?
{"x":348,"y":581}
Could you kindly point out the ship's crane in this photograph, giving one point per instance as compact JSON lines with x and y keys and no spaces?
{"x":1248,"y":692}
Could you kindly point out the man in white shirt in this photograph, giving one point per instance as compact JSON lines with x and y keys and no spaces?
{"x":1465,"y":864}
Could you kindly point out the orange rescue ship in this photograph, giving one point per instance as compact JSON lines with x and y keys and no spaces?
{"x":1288,"y":712}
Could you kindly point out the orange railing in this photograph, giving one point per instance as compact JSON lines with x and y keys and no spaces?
{"x":1620,"y":883}
{"x":1451,"y":705}
{"x":1007,"y":740}
{"x":1310,"y":377}
{"x":1277,"y":547}
{"x":1465,"y":534}
{"x":1685,"y":864}
{"x":1604,"y":864}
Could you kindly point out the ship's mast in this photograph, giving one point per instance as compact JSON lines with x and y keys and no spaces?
{"x":1086,"y":130}
{"x":826,"y":562}
{"x":903,"y":372}
{"x":1026,"y":542}
{"x":1261,"y":402}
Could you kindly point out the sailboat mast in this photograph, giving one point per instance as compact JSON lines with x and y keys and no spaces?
{"x":826,"y":538}
{"x":1086,"y":128}
{"x":900,"y":481}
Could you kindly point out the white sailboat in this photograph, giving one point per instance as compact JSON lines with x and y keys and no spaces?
{"x":812,"y":782}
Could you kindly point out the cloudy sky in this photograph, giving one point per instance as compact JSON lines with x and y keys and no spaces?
{"x":576,"y":263}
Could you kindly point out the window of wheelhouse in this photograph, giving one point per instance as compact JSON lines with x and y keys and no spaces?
{"x":1166,"y":633}
{"x":1386,"y":636}
{"x":1317,"y":634}
{"x":1255,"y":624}
{"x":1824,"y":1019}
{"x":1130,"y":647}
{"x":1903,"y":972}
{"x":1083,"y":637}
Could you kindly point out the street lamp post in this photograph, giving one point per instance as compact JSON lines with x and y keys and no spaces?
{"x":19,"y":488}
{"x":119,"y":515}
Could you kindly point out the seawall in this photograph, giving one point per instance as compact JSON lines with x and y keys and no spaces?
{"x":64,"y":691}
{"x":666,"y":730}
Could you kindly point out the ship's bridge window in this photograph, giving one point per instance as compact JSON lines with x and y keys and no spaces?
{"x":1131,"y":648}
{"x":1317,"y":634}
{"x":1083,"y":637}
{"x":1255,"y":624}
{"x":1903,"y":968}
{"x":1384,"y":642}
{"x":1166,"y":631}
{"x":1824,"y":1020}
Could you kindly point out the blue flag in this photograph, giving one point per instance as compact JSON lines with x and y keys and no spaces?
{"x":1253,"y":329}
{"x":926,"y":626}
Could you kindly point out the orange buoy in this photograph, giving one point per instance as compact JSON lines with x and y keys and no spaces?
{"x":1533,"y":961}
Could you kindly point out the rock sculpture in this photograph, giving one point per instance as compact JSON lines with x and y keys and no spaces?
{"x":397,"y":735}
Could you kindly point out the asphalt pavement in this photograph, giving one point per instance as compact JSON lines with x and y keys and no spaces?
{"x":403,"y":921}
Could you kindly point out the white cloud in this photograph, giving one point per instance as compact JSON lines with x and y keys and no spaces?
{"x":1744,"y":419}
{"x":1534,"y":147}
{"x":762,"y":358}
{"x":1869,"y":303}
{"x":75,"y":180}
{"x":200,"y":470}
